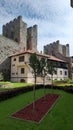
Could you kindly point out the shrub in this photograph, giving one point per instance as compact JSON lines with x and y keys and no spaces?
{"x":16,"y":91}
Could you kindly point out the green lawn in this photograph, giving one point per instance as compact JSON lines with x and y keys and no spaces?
{"x":63,"y":82}
{"x":65,"y":85}
{"x":14,"y":85}
{"x":59,"y":118}
{"x":4,"y":82}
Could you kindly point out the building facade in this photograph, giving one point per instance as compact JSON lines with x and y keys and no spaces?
{"x":22,"y":72}
{"x":62,"y":52}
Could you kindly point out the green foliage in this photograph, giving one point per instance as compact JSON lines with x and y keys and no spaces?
{"x":43,"y":69}
{"x":34,"y":63}
{"x":51,"y":67}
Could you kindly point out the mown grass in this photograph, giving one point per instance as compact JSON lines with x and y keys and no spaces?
{"x":59,"y":118}
{"x":63,"y":83}
{"x":4,"y":82}
{"x":16,"y":85}
{"x":13,"y":85}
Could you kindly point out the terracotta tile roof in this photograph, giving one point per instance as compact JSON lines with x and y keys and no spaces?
{"x":39,"y":54}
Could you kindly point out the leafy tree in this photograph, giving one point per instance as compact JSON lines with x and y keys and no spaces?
{"x":35,"y":65}
{"x":43,"y":70}
{"x":51,"y":68}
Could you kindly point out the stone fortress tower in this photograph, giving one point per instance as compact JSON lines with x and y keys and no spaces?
{"x":17,"y":30}
{"x":16,"y":36}
{"x":32,"y":38}
{"x":60,"y":51}
{"x":56,"y":47}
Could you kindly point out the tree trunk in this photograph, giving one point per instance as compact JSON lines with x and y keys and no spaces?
{"x":52,"y":83}
{"x":34,"y":93}
{"x":44,"y":86}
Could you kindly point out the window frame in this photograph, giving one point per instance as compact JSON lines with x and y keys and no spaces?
{"x":22,"y":70}
{"x":21,"y":58}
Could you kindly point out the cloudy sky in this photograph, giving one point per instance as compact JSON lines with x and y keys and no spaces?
{"x":53,"y":17}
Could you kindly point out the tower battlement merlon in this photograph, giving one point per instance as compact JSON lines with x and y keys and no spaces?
{"x":19,"y":17}
{"x":35,"y":26}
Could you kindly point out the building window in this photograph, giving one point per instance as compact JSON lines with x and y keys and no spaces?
{"x":55,"y":72}
{"x":65,"y":72}
{"x":21,"y":58}
{"x":16,"y":39}
{"x":14,"y":59}
{"x":13,"y":64}
{"x":13,"y":73}
{"x":22,"y":70}
{"x":60,"y":72}
{"x":22,"y":80}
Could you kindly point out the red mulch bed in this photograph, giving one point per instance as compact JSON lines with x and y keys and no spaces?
{"x":42,"y":107}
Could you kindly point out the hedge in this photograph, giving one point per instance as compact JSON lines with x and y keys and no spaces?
{"x":17,"y":91}
{"x":65,"y":88}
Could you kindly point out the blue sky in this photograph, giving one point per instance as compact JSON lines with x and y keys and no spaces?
{"x":53,"y":17}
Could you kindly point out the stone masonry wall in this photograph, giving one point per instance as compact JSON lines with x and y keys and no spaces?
{"x":57,"y":47}
{"x":16,"y":30}
{"x":32,"y":38}
{"x":7,"y":48}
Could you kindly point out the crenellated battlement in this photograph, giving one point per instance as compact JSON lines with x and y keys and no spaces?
{"x":57,"y":47}
{"x":17,"y":30}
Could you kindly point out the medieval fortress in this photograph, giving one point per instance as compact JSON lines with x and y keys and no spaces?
{"x":57,"y":47}
{"x":25,"y":37}
{"x":17,"y":37}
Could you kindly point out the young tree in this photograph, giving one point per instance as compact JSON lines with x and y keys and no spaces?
{"x":43,"y":70}
{"x":35,"y":65}
{"x":51,"y":68}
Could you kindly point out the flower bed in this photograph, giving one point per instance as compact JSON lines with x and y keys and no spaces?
{"x":42,"y":107}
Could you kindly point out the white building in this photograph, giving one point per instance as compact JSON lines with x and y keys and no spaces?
{"x":22,"y":72}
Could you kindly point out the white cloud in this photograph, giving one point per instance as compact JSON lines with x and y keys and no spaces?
{"x":53,"y":17}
